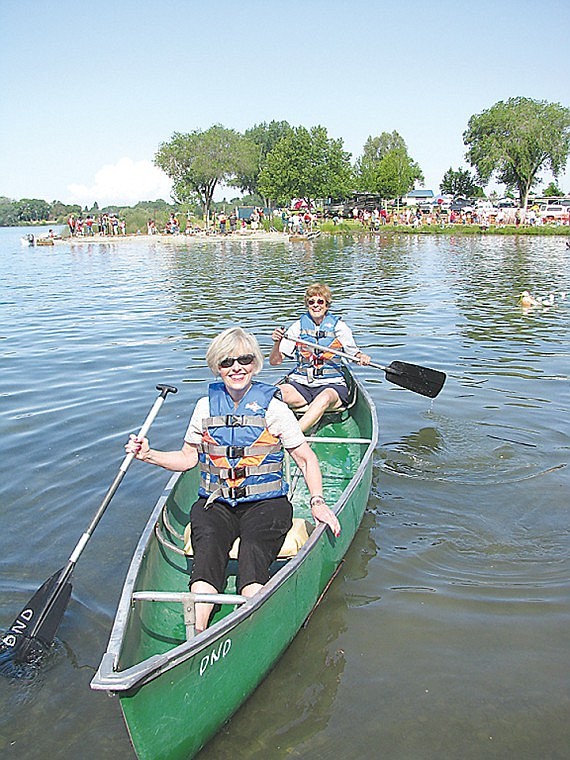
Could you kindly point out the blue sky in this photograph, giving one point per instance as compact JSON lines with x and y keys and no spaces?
{"x":90,"y":90}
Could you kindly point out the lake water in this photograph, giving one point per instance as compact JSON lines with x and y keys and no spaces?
{"x":446,"y":633}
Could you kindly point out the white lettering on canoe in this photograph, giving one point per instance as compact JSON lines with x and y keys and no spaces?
{"x":221,"y":651}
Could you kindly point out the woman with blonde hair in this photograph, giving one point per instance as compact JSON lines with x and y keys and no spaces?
{"x":318,"y":379}
{"x":236,"y":436}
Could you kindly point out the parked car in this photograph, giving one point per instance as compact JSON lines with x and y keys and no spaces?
{"x":553,"y":211}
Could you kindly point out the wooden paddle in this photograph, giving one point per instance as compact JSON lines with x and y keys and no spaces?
{"x":36,"y":625}
{"x":422,"y":380}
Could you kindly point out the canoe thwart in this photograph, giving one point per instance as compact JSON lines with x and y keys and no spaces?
{"x":188,"y":599}
{"x":332,"y":439}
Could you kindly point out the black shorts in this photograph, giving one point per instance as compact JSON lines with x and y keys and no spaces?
{"x":310,"y":392}
{"x":261,"y":526}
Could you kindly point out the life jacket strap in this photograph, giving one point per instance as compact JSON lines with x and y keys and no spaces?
{"x":238,"y":452}
{"x":234,"y":420}
{"x":237,"y":473}
{"x":233,"y":493}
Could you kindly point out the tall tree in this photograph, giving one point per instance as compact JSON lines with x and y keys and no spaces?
{"x":459,"y":182}
{"x":265,"y":137}
{"x":306,"y":164}
{"x":385,"y":168}
{"x":198,"y":161}
{"x":375,"y":148}
{"x":516,"y":139}
{"x":397,"y":174}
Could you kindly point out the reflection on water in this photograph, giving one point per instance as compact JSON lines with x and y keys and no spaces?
{"x":444,"y":635}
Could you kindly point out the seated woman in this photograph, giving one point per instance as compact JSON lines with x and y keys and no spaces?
{"x":236,"y":436}
{"x":318,"y":379}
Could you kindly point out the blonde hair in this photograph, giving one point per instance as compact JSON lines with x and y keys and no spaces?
{"x":318,"y":289}
{"x":233,"y":342}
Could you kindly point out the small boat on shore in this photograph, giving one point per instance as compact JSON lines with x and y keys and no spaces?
{"x":32,"y":240}
{"x":177,"y":688}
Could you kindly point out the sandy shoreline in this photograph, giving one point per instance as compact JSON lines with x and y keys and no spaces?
{"x":160,"y":238}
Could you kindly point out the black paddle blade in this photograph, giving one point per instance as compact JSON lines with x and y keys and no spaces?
{"x":35,"y":626}
{"x":423,"y":380}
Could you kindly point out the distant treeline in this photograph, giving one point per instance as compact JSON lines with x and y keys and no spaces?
{"x":35,"y":211}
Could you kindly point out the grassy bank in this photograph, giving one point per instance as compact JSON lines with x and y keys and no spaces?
{"x":449,"y":229}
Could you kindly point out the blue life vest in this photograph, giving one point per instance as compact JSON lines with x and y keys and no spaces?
{"x":239,"y":459}
{"x":314,"y":363}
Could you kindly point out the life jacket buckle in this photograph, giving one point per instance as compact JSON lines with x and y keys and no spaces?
{"x":236,"y":473}
{"x":237,"y":492}
{"x":235,"y":452}
{"x":232,"y":420}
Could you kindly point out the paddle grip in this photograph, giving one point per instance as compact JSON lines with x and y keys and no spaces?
{"x":164,"y":391}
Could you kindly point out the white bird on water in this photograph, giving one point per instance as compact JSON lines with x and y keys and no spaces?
{"x":526,"y":300}
{"x":547,"y":301}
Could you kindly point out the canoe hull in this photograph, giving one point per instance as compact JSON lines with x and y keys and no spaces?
{"x":173,"y":708}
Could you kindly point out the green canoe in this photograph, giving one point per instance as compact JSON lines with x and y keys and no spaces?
{"x":176,"y":688}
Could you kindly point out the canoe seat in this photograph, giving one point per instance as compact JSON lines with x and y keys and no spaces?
{"x":294,"y":540}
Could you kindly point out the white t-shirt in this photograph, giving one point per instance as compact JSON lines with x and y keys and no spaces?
{"x":342,"y":332}
{"x":281,"y":422}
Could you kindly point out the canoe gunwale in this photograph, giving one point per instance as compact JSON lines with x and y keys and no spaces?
{"x":108,"y":678}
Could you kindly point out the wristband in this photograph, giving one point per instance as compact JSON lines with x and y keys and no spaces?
{"x":316,"y":500}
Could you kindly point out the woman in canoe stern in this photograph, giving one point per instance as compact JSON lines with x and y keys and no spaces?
{"x":236,"y":436}
{"x":317,"y":379}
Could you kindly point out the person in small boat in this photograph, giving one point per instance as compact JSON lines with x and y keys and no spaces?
{"x":317,"y":379}
{"x":237,"y":436}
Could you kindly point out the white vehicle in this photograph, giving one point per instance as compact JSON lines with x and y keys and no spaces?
{"x":484,"y":205}
{"x":553,"y":211}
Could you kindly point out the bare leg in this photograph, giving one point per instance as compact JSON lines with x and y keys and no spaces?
{"x":327,"y":399}
{"x":291,"y":396}
{"x":203,"y":609}
{"x":251,"y":589}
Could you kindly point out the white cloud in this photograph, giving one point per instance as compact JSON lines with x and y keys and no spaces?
{"x":124,"y":183}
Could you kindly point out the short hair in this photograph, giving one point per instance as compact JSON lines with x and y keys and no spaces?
{"x":233,"y":342}
{"x":318,"y":289}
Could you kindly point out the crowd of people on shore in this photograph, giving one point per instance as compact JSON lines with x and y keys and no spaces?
{"x":104,"y":224}
{"x":224,"y":224}
{"x":416,"y":217}
{"x":304,"y":221}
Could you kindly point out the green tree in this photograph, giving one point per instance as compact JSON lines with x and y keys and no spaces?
{"x":8,"y":212}
{"x":552,"y":191}
{"x":375,"y":148}
{"x":516,"y":139}
{"x":198,"y":161}
{"x":397,"y":174}
{"x":460,"y":182}
{"x":33,"y":210}
{"x":306,"y":164}
{"x":265,"y":137}
{"x":385,"y":168}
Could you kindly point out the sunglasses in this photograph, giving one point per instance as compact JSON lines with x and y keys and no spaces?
{"x":316,"y":301}
{"x":244,"y":360}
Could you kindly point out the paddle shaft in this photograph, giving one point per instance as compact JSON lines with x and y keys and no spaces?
{"x":164,"y":391}
{"x":57,"y":589}
{"x":413,"y":377}
{"x":335,"y":351}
